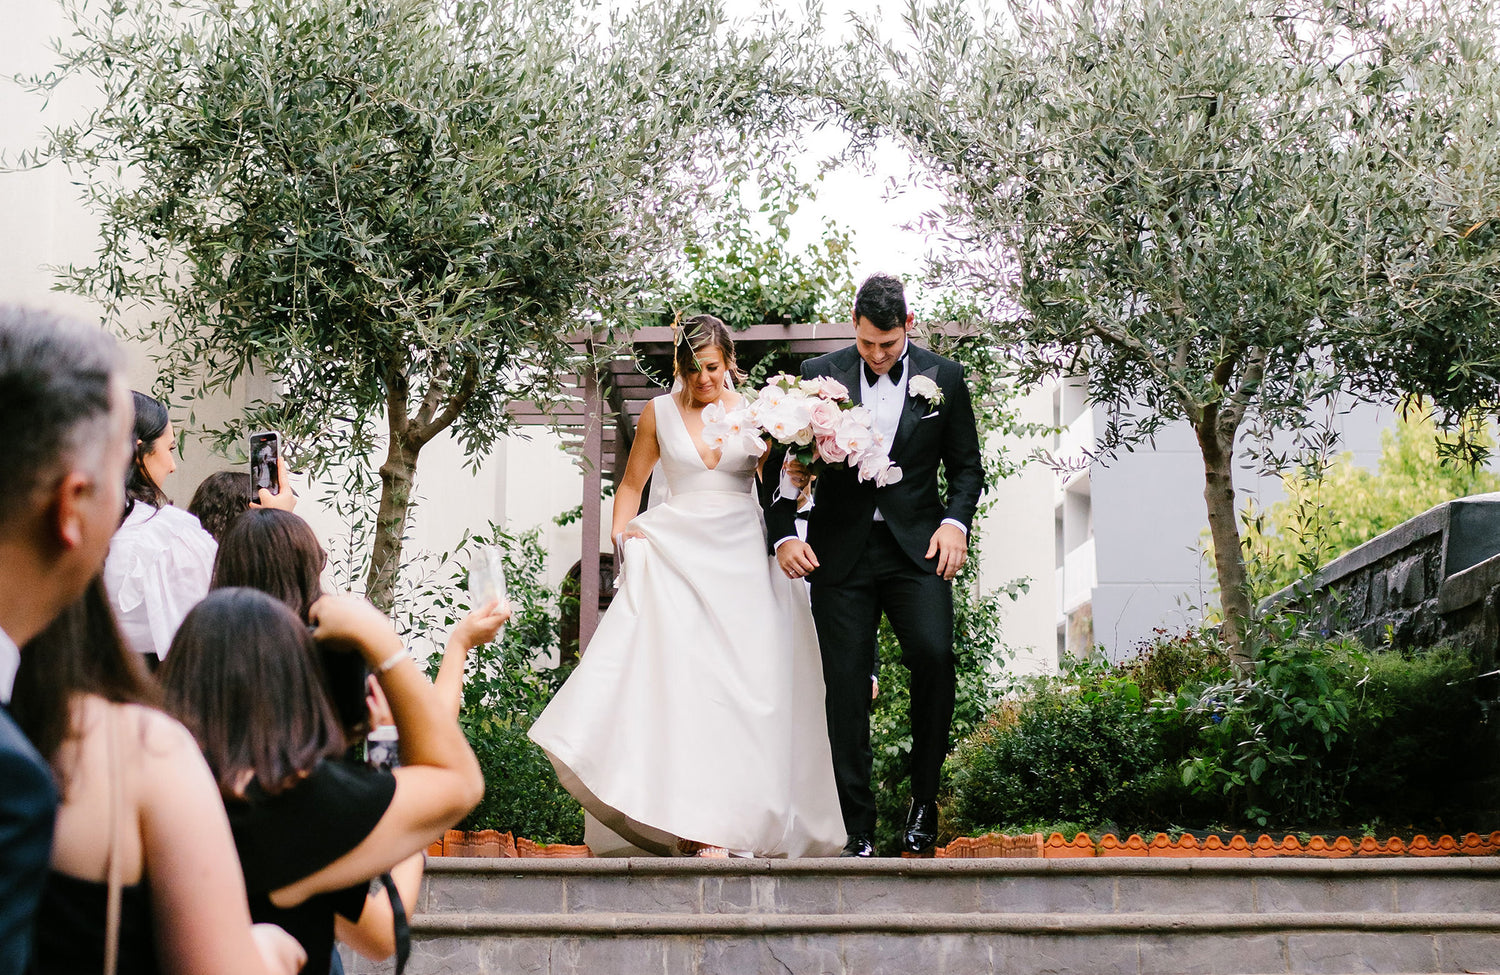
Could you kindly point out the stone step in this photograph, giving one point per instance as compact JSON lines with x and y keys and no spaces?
{"x":1125,"y":885}
{"x":1125,"y":916}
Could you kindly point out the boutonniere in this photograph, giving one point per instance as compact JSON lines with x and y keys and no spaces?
{"x":927,"y":389}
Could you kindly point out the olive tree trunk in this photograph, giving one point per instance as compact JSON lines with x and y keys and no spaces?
{"x":441,"y":405}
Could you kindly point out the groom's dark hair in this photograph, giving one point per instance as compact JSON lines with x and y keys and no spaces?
{"x":882,"y":301}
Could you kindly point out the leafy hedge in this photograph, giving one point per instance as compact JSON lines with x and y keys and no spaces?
{"x":1319,"y":733}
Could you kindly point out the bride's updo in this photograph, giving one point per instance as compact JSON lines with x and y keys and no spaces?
{"x":693,"y":336}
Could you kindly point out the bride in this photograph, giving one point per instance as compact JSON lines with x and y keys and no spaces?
{"x":695,"y":722}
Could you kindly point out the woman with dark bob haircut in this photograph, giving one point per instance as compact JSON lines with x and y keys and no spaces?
{"x":278,"y":553}
{"x":312,"y":830}
{"x":139,"y":811}
{"x":220,"y":499}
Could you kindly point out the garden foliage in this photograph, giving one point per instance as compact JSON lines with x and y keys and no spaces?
{"x":1318,"y":733}
{"x":507,"y":684}
{"x":1327,"y":513}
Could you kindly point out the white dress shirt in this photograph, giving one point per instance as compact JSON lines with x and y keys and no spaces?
{"x":885,"y":400}
{"x":10,"y":661}
{"x":159,"y":566}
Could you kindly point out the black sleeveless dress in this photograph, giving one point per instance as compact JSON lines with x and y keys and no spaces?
{"x":70,"y":922}
{"x":286,"y":837}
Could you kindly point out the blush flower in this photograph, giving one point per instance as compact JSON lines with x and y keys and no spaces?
{"x":924,"y":387}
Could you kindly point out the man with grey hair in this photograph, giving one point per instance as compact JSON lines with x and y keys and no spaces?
{"x":66,"y":413}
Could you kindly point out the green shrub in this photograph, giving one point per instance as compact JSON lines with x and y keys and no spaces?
{"x":1275,"y":745}
{"x":1080,"y":749}
{"x":521,"y":795}
{"x":1415,"y":730}
{"x":1320,"y":734}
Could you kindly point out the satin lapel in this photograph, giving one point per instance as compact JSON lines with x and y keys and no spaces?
{"x":912,"y":410}
{"x":850,"y":378}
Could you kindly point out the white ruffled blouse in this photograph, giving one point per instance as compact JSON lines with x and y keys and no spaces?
{"x":159,"y":565}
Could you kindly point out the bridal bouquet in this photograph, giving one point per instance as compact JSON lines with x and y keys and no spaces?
{"x":813,"y":418}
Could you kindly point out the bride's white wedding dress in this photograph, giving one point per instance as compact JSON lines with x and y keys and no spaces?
{"x":697,"y":710}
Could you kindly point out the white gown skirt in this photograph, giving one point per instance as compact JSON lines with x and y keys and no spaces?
{"x":697,"y":710}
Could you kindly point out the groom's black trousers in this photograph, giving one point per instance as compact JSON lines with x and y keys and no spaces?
{"x":919,"y":604}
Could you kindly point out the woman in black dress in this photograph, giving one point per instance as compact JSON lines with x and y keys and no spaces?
{"x":313,"y":830}
{"x":136,"y":792}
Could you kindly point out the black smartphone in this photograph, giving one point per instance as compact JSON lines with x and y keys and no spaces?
{"x":265,"y":472}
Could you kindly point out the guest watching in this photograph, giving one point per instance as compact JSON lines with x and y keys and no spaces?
{"x":220,"y":499}
{"x":140,"y":814}
{"x":312,"y":831}
{"x":278,"y":553}
{"x":67,"y":407}
{"x":160,"y":560}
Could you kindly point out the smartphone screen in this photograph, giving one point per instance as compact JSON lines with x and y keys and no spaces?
{"x":264,"y":471}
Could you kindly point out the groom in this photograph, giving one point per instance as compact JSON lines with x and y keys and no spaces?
{"x":892,"y":549}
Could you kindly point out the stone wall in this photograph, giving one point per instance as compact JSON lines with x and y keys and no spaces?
{"x":1433,"y":579}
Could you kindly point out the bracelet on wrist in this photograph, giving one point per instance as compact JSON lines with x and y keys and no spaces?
{"x":393,"y":660}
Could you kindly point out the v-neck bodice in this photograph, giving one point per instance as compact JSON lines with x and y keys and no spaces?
{"x":684,"y":466}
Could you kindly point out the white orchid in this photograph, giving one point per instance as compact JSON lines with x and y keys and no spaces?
{"x":787,"y":421}
{"x":856,"y":438}
{"x":767,"y":399}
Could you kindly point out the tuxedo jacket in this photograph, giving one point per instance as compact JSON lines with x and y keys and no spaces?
{"x":927,"y":436}
{"x":28,"y":805}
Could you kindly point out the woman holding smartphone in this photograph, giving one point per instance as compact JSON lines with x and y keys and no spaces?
{"x":161,"y":559}
{"x":311,"y":830}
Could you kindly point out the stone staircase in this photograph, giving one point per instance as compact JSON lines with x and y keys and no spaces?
{"x":1135,"y":915}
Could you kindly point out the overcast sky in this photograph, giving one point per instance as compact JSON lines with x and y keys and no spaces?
{"x":863,"y":197}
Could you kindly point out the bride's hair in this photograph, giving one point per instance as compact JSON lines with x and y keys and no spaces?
{"x":696,"y":334}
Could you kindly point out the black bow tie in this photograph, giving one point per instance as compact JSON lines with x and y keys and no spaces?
{"x":894,"y":372}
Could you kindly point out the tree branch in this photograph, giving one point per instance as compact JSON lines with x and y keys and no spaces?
{"x":1239,"y":400}
{"x":397,"y":388}
{"x":434,"y":397}
{"x":456,"y":403}
{"x":1124,"y":340}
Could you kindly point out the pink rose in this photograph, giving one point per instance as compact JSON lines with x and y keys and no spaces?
{"x":835,"y":390}
{"x":825,"y":417}
{"x":831,"y":450}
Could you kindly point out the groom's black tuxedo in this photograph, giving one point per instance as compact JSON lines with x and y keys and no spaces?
{"x":840,"y":521}
{"x":866,"y":568}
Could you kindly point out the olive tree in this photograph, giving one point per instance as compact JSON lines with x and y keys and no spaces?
{"x":1196,"y":204}
{"x":397,"y":209}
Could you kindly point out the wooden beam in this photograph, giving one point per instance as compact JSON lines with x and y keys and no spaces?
{"x":593,"y":480}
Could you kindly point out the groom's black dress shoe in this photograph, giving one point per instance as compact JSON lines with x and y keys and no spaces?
{"x":920,"y":836}
{"x":859,"y":845}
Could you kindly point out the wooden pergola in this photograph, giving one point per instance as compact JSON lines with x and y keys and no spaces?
{"x":598,"y":413}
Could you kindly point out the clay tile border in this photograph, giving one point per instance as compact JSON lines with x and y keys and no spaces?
{"x":489,"y":843}
{"x":527,"y":848}
{"x":1112,"y":846}
{"x":1057,"y":847}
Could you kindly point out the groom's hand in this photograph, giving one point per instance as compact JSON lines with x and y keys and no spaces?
{"x":796,"y":558}
{"x":951,"y":546}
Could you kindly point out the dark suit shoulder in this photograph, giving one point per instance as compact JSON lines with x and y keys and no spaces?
{"x":26,"y":774}
{"x":838,"y":359}
{"x":925,"y":359}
